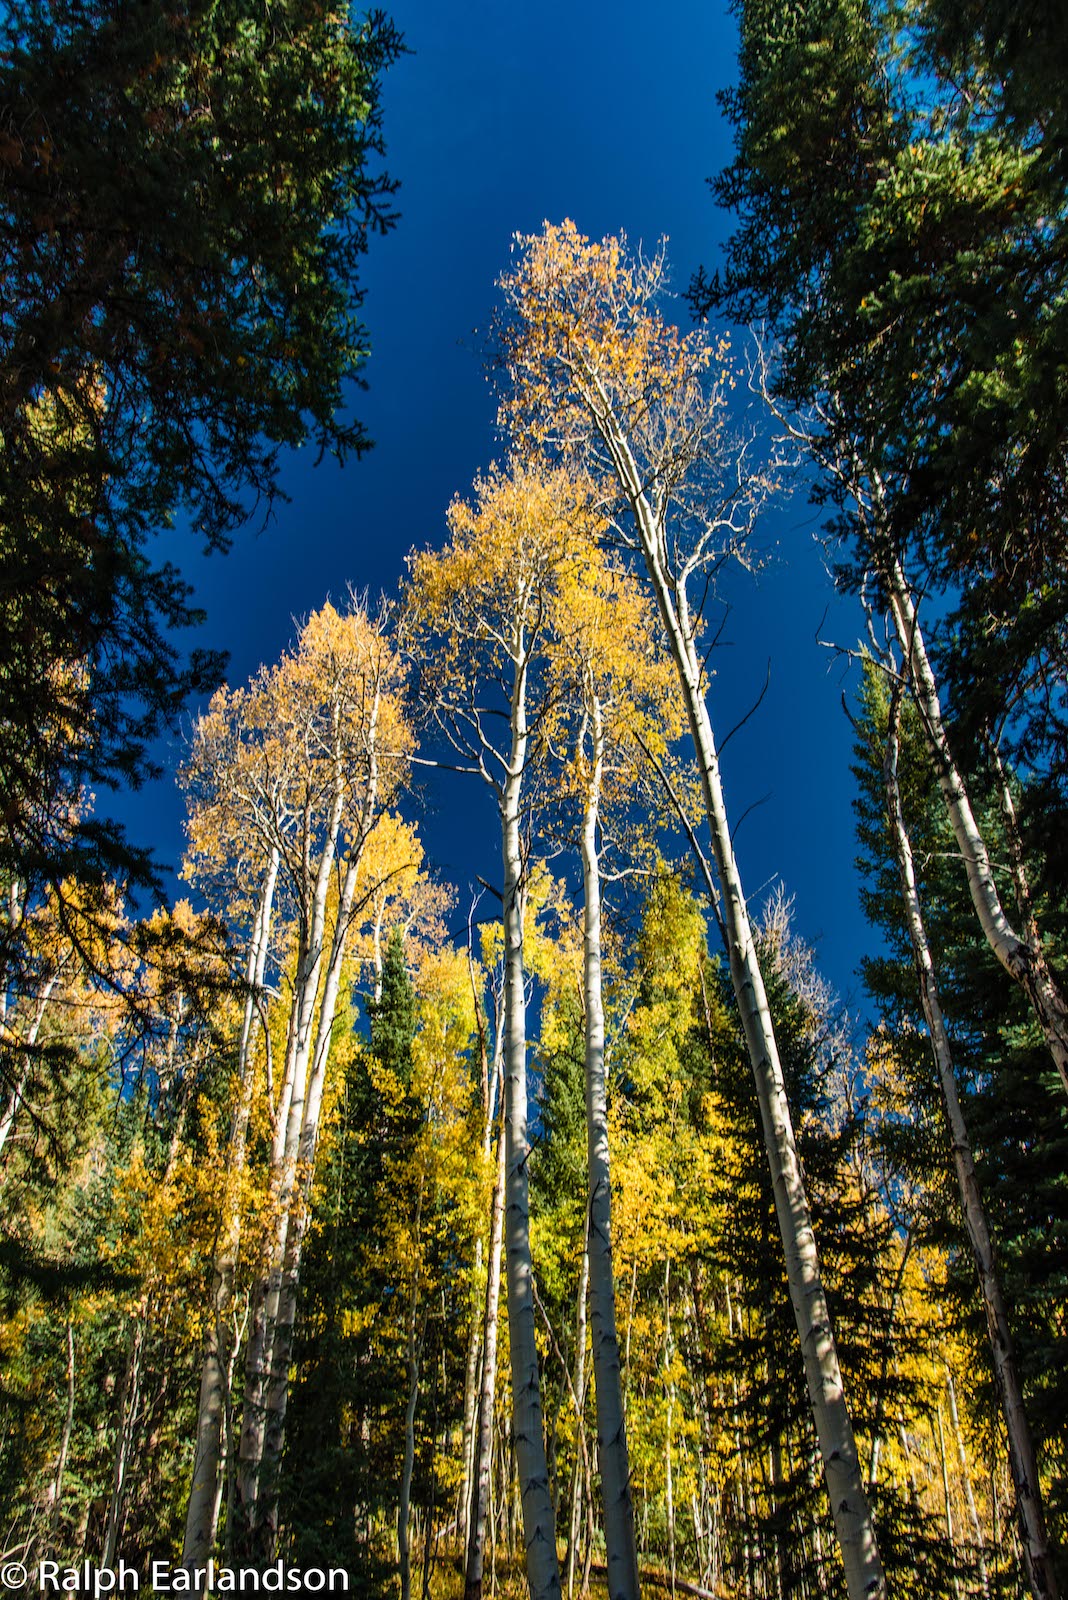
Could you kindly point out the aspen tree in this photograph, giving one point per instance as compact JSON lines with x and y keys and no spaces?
{"x":911,"y":286}
{"x":844,"y":456}
{"x":214,"y":1413}
{"x":1030,"y":1511}
{"x":487,"y":602}
{"x":608,"y":649}
{"x":317,"y":749}
{"x":595,"y":372}
{"x":479,"y":1457}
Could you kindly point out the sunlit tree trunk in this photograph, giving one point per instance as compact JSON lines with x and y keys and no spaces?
{"x":308,"y":1109}
{"x":622,"y":1556}
{"x":289,"y":1119}
{"x":579,"y":1486}
{"x":834,"y":1430}
{"x":482,"y":1453}
{"x":476,"y":1333}
{"x":543,"y":1575}
{"x":214,"y":1401}
{"x":966,"y":1477}
{"x":26,"y":1051}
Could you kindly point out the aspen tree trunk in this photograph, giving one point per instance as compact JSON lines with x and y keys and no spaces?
{"x":969,"y":1496}
{"x":475,"y":1344}
{"x":1022,"y":1460}
{"x":1023,"y":960}
{"x":11,"y":1111}
{"x":302,"y":1134}
{"x":64,"y":1443}
{"x":482,"y":1453}
{"x":621,"y":1552}
{"x":213,"y":1407}
{"x":834,"y":1429}
{"x":950,"y":1538}
{"x":742,"y":1452}
{"x":543,"y":1574}
{"x":404,"y":1501}
{"x":296,"y":1133}
{"x":305,"y":1117}
{"x":128,"y":1409}
{"x":579,"y":1485}
{"x":313,"y":895}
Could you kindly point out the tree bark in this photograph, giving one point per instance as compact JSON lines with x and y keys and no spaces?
{"x":483,"y":1443}
{"x":476,"y":1334}
{"x":263,"y":1430}
{"x":853,"y":1522}
{"x":289,"y":1116}
{"x":124,"y":1439}
{"x":64,"y":1443}
{"x":969,"y":1495}
{"x":214,"y":1402}
{"x":612,"y":1457}
{"x":543,"y":1574}
{"x":1024,"y":960}
{"x":1022,"y":1460}
{"x":579,"y":1483}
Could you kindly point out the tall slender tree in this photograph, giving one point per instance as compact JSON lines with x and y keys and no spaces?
{"x":591,"y":365}
{"x":488,"y":604}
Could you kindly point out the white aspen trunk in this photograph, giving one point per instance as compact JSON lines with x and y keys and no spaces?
{"x":702,"y":1385}
{"x":669,"y":1386}
{"x":64,"y":1443}
{"x":477,"y":1330}
{"x":128,"y":1408}
{"x":260,"y":1354}
{"x":201,"y":1519}
{"x":853,"y":1523}
{"x":472,"y":1369}
{"x":307,"y":1107}
{"x":11,"y":1110}
{"x":1022,"y":1460}
{"x":969,"y":1495}
{"x":404,"y":1500}
{"x":612,"y":1457}
{"x":746,"y":1514}
{"x":578,"y":1485}
{"x":1024,"y":961}
{"x":906,"y":1451}
{"x":950,"y":1538}
{"x":877,"y":1423}
{"x":305,"y":1115}
{"x":543,"y":1574}
{"x":482,"y":1453}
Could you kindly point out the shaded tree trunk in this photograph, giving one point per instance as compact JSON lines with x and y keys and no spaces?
{"x":64,"y":1443}
{"x":1022,"y":1459}
{"x":1023,"y":959}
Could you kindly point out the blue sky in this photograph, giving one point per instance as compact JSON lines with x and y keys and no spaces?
{"x":503,"y":116}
